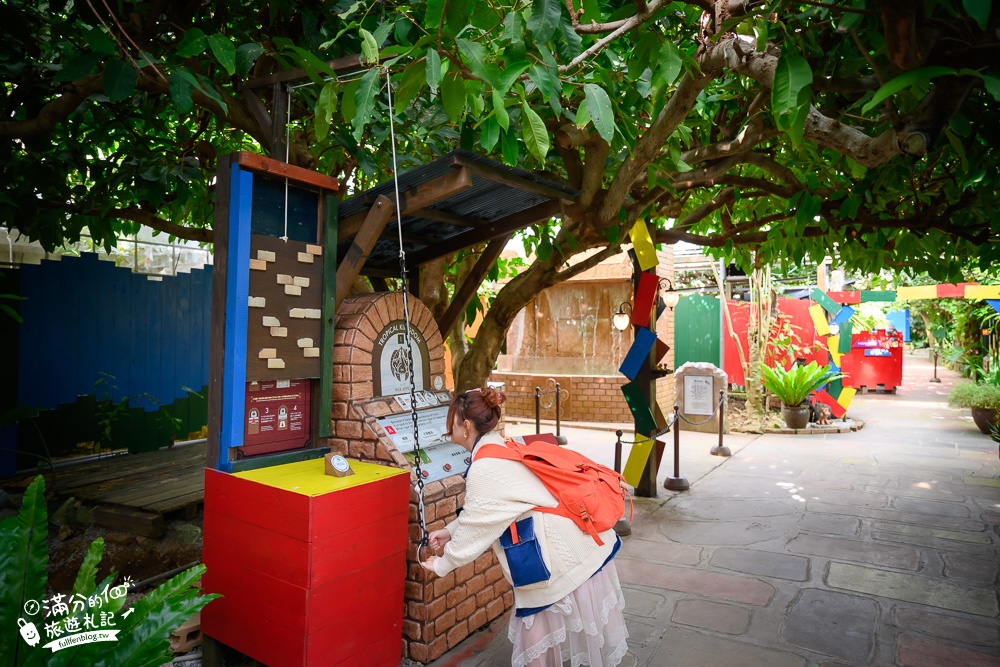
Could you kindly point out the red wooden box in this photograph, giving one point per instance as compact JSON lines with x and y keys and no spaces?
{"x":311,"y":568}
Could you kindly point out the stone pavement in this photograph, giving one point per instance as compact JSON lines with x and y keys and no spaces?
{"x":878,"y":547}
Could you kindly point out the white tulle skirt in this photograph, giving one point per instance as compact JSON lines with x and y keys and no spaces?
{"x":584,"y":628}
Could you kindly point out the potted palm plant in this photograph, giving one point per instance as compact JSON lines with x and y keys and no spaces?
{"x":793,"y":387}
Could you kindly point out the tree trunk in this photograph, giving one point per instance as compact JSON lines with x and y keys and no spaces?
{"x":515,"y":295}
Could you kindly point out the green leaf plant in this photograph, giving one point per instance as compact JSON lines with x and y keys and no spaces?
{"x":794,"y":385}
{"x":143,"y":631}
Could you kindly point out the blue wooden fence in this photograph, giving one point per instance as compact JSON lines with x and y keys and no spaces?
{"x":92,"y":329}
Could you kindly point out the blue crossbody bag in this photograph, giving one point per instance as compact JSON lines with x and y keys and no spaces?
{"x":524,"y":555}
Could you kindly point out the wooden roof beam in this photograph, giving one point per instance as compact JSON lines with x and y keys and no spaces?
{"x":376,"y":218}
{"x":512,"y":180}
{"x":491,"y":231}
{"x":419,"y":197}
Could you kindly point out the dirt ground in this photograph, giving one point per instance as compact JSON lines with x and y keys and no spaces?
{"x":71,"y":532}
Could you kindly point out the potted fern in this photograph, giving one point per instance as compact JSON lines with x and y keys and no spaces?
{"x":793,"y":386}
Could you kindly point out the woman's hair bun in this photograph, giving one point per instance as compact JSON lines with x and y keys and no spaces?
{"x":493,"y":397}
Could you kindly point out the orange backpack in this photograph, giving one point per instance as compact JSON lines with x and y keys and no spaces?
{"x":590,"y":494}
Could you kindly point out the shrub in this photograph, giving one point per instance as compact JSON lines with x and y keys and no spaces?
{"x":973,"y":395}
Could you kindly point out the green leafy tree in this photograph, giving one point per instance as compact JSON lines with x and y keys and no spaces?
{"x":776,"y":129}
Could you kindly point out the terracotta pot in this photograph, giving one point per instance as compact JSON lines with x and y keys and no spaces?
{"x":796,"y":416}
{"x":984,"y":417}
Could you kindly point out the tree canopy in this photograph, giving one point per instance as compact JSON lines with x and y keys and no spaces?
{"x":769,"y":131}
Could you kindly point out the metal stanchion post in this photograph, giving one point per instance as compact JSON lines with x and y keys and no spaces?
{"x":618,"y":451}
{"x":720,"y":449}
{"x":935,"y":378}
{"x":538,"y":410}
{"x":623,"y":526}
{"x":677,"y":483}
{"x":560,"y":440}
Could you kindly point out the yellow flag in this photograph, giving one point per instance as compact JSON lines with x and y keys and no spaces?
{"x":637,"y":459}
{"x":833,"y":344}
{"x":846,"y":396}
{"x":643,"y":244}
{"x":819,"y":319}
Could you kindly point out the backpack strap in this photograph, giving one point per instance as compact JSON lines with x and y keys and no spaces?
{"x":494,"y":451}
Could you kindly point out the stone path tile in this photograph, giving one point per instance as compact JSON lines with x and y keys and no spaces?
{"x":927,"y":462}
{"x":689,"y":648}
{"x":836,"y":548}
{"x":962,"y":629}
{"x":831,"y":524}
{"x":982,"y":481}
{"x":936,"y":508}
{"x":897,"y":515}
{"x":661,"y":552}
{"x":709,"y":615}
{"x":762,"y":563}
{"x":724,"y":509}
{"x":853,"y":498}
{"x":918,"y":652}
{"x":908,"y":529}
{"x":912,"y":588}
{"x":719,"y":532}
{"x":708,"y":584}
{"x":833,"y":623}
{"x":641,"y":602}
{"x":935,"y":545}
{"x":963,"y":566}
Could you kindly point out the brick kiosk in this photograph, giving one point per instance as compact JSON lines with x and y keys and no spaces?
{"x":369,"y":401}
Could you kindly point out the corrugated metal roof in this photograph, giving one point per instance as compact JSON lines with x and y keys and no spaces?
{"x":475,"y":214}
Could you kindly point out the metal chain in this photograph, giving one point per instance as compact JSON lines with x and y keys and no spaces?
{"x":707,"y":419}
{"x":670,"y":423}
{"x":666,"y":429}
{"x":424,"y":535}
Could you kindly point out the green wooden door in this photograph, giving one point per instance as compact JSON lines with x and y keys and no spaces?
{"x":696,"y":330}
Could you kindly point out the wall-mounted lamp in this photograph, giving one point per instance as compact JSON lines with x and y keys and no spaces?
{"x":834,"y":328}
{"x":670,"y":296}
{"x":621,"y":319}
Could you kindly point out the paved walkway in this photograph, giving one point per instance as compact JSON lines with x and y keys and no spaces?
{"x":878,"y":547}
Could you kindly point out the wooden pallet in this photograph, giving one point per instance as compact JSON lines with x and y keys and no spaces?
{"x":134,"y":492}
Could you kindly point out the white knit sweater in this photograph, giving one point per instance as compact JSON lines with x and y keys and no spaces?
{"x":498,"y":492}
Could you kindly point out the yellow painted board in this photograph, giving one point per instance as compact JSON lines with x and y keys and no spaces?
{"x":833,"y":344}
{"x":310,"y":479}
{"x":819,"y":319}
{"x":643,"y":244}
{"x":982,"y":291}
{"x":637,"y":460}
{"x":914,"y":293}
{"x":846,"y":396}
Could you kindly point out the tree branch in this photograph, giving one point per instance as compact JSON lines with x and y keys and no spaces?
{"x":149,"y":219}
{"x":588,"y":263}
{"x":54,"y":111}
{"x":748,"y":137}
{"x":629,"y":23}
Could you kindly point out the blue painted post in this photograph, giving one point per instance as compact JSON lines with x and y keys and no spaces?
{"x":234,"y":374}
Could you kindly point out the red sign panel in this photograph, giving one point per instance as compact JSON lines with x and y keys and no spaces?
{"x":276,"y":416}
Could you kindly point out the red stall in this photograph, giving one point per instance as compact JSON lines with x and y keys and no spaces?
{"x":875,"y":361}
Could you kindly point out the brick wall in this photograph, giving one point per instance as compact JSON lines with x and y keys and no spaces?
{"x":584,"y":398}
{"x":439,"y":612}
